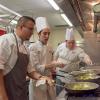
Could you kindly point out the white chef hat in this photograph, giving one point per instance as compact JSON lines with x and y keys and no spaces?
{"x":41,"y":23}
{"x":70,"y":34}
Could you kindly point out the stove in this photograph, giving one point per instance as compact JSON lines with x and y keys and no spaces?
{"x":92,"y":95}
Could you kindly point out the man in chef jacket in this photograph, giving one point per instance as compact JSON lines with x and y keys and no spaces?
{"x":70,"y":55}
{"x":41,"y":56}
{"x":14,"y":62}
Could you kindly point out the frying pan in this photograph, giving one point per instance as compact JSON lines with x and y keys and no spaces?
{"x":93,"y":71}
{"x":80,"y":87}
{"x":85,"y":75}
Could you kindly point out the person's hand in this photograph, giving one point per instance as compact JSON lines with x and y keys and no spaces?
{"x":48,"y":80}
{"x":88,"y":61}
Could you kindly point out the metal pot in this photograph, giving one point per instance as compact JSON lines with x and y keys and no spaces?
{"x":80,"y":87}
{"x":86,"y":75}
{"x":75,"y":73}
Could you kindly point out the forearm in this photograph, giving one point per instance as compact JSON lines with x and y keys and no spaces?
{"x":3,"y":94}
{"x":54,"y":64}
{"x":42,"y":68}
{"x":37,"y":76}
{"x":48,"y":66}
{"x":34,"y":75}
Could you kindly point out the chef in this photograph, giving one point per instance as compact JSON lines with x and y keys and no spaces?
{"x":70,"y":54}
{"x":14,"y":62}
{"x":41,"y":56}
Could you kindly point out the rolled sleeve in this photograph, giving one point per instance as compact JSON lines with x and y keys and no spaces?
{"x":82,"y":54}
{"x":30,"y":68}
{"x":5,"y":52}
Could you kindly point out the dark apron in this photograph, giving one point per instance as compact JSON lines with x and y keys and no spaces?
{"x":15,"y":80}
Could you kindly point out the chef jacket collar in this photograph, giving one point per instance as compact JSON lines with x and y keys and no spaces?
{"x":41,"y":43}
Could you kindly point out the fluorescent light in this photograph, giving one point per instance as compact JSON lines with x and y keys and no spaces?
{"x":78,"y":45}
{"x":5,"y":15}
{"x":67,"y":20}
{"x":13,"y":22}
{"x":54,"y":5}
{"x":11,"y":11}
{"x":78,"y":42}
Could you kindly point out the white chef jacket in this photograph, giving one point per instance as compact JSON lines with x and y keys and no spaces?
{"x":8,"y":52}
{"x":40,"y":55}
{"x":70,"y":57}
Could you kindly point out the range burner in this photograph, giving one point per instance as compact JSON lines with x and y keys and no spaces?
{"x":88,"y":96}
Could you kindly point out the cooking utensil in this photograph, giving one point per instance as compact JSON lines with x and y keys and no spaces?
{"x":66,"y":78}
{"x":70,"y":73}
{"x":84,"y":76}
{"x":63,"y":71}
{"x":87,"y":76}
{"x":75,"y":73}
{"x":80,"y":87}
{"x":60,"y":75}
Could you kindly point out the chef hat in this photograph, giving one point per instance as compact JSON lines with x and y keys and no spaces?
{"x":41,"y":23}
{"x":70,"y":34}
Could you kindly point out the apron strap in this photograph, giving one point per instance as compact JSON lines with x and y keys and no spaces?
{"x":16,"y":43}
{"x":18,"y":47}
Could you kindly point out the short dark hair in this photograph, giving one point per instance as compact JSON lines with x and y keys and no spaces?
{"x":24,"y":19}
